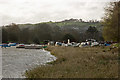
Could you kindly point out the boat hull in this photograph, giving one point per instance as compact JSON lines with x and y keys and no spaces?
{"x":33,"y":47}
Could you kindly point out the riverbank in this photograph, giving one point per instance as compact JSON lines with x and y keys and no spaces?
{"x":86,"y":62}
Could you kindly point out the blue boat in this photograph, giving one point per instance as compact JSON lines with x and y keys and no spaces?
{"x":5,"y":45}
{"x":106,"y":44}
{"x":12,"y":44}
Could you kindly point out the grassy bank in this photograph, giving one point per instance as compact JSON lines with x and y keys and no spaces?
{"x":95,"y":62}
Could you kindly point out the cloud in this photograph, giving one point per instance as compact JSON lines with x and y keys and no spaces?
{"x":33,"y":11}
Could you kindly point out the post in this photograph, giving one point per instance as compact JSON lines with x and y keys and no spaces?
{"x":68,"y":41}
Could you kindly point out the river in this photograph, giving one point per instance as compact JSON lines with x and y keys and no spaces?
{"x":16,"y":61}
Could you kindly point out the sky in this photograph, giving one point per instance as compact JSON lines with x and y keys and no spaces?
{"x":35,"y":11}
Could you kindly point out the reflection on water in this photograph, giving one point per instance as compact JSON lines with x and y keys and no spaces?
{"x":16,"y":61}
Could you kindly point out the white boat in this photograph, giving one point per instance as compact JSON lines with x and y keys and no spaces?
{"x":20,"y":46}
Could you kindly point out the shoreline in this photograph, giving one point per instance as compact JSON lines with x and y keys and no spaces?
{"x":48,"y":52}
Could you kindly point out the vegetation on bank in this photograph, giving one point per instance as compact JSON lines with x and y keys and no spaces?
{"x":87,"y":62}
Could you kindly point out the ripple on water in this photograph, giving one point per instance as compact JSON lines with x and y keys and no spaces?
{"x":16,"y":61}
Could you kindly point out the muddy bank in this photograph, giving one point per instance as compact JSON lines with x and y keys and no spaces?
{"x":16,"y":61}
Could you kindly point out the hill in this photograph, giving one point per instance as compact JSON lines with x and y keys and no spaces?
{"x":74,"y":28}
{"x":68,"y":24}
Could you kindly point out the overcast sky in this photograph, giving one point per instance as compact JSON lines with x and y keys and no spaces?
{"x":34,"y":11}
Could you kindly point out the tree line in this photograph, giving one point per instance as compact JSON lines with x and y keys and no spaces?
{"x":44,"y":31}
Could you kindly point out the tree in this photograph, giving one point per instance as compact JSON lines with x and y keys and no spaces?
{"x":92,"y":33}
{"x":111,"y":22}
{"x":4,"y":35}
{"x":56,"y":33}
{"x":13,"y":32}
{"x":25,"y":35}
{"x":36,"y":40}
{"x":43,"y":31}
{"x":68,"y":36}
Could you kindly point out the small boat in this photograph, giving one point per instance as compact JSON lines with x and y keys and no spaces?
{"x":4,"y":45}
{"x":20,"y":46}
{"x":32,"y":46}
{"x":12,"y":44}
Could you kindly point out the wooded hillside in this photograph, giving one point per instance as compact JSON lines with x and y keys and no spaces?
{"x":35,"y":33}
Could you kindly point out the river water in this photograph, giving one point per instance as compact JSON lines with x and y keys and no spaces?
{"x":16,"y":61}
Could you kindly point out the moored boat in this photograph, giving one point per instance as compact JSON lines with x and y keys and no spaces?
{"x":33,"y":46}
{"x":20,"y":46}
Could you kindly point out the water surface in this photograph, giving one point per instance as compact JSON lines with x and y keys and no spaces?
{"x":16,"y":61}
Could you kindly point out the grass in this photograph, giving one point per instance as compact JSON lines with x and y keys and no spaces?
{"x":87,"y":62}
